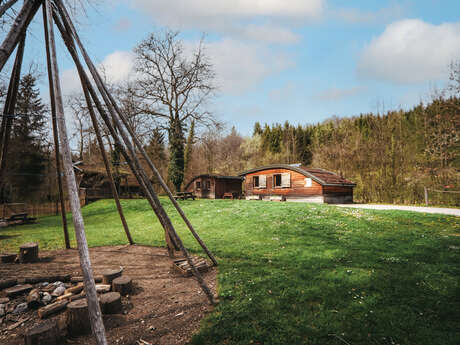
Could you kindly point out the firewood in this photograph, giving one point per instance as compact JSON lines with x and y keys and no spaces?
{"x":65,"y":296}
{"x":28,"y":252}
{"x":109,"y":275}
{"x":77,"y":319}
{"x":52,"y":308}
{"x":6,"y":283}
{"x":49,"y":279}
{"x":103,"y":288}
{"x":110,"y":303}
{"x":43,"y":333}
{"x":18,"y":290}
{"x":33,"y":299}
{"x":123,"y":285}
{"x":75,"y":289}
{"x":76,"y":297}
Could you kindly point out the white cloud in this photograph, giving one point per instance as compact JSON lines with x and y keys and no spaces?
{"x":358,"y":16}
{"x":116,"y":67}
{"x":411,"y":51}
{"x":335,"y":94}
{"x":231,"y":17}
{"x":240,"y":65}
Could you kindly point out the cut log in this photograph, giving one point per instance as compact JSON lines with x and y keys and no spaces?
{"x":18,"y":290}
{"x":75,"y":297}
{"x":75,"y":289}
{"x":78,"y":279}
{"x":110,"y":303}
{"x":77,"y":318}
{"x":65,"y":296}
{"x":52,"y":308}
{"x":123,"y":285}
{"x":28,"y":252}
{"x":7,"y":258}
{"x":49,"y":279}
{"x":109,"y":275}
{"x":33,"y":299}
{"x":45,"y":333}
{"x":6,"y":283}
{"x":103,"y":288}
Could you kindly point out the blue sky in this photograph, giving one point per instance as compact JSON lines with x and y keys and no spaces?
{"x":296,"y":60}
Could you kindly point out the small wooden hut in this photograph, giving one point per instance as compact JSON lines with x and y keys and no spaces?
{"x":215,"y":186}
{"x":297,"y":183}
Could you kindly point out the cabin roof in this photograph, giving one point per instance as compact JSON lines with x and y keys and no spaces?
{"x":323,"y":177}
{"x":219,"y":177}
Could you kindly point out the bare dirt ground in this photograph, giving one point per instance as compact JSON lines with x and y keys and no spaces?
{"x":439,"y":210}
{"x":164,"y":308}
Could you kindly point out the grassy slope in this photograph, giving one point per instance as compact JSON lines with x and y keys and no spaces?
{"x":304,"y":273}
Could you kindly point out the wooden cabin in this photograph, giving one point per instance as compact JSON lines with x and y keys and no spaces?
{"x":215,"y":186}
{"x":297,"y":183}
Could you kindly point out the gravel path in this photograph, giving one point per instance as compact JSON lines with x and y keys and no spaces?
{"x":448,"y":211}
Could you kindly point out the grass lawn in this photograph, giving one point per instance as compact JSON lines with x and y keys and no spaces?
{"x":294,"y":273}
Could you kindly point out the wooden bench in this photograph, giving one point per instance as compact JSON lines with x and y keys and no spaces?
{"x":184,"y":195}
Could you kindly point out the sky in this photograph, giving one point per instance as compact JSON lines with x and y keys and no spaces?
{"x":275,"y":60}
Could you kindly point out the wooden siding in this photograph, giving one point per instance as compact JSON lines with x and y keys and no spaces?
{"x":219,"y":186}
{"x":297,"y":187}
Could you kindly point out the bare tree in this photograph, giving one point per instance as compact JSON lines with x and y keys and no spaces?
{"x":174,"y":88}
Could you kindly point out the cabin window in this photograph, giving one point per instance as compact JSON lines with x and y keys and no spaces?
{"x":207,"y":184}
{"x":277,"y":180}
{"x":286,"y":180}
{"x":307,"y":182}
{"x":259,"y":181}
{"x":255,"y":181}
{"x":198,"y":185}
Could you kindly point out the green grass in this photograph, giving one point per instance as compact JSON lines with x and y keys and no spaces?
{"x":294,"y":273}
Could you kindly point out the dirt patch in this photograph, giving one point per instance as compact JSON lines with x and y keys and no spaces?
{"x":164,"y":308}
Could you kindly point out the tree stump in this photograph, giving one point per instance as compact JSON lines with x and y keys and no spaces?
{"x":123,"y":285}
{"x":77,"y":318}
{"x":46,"y":333}
{"x":110,"y":303}
{"x":28,"y":252}
{"x":109,"y":275}
{"x":7,"y":258}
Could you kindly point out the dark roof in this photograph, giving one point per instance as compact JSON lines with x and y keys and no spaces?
{"x":219,"y":177}
{"x":323,"y":177}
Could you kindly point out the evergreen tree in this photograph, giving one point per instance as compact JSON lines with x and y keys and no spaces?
{"x":28,"y":152}
{"x":189,"y":147}
{"x":176,"y":150}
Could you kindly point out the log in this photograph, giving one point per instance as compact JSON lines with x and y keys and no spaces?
{"x":110,"y":303}
{"x":49,"y":279}
{"x":103,"y":288}
{"x":6,"y":283}
{"x":123,"y":285}
{"x":33,"y":299}
{"x":28,"y":252}
{"x":18,"y":290}
{"x":75,"y":289}
{"x":79,"y":279}
{"x":75,"y":297}
{"x":45,"y":333}
{"x":77,"y":318}
{"x":7,"y":258}
{"x":109,"y":275}
{"x":52,"y":308}
{"x":65,"y":296}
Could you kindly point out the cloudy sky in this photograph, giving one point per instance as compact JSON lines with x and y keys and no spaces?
{"x":296,"y":60}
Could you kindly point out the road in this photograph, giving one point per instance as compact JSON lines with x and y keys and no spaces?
{"x":439,"y":210}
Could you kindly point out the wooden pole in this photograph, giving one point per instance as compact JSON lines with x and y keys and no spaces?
{"x":95,"y":315}
{"x":133,"y":161}
{"x":18,"y":29}
{"x":111,"y":104}
{"x":10,"y":107}
{"x":58,"y":159}
{"x":426,"y":195}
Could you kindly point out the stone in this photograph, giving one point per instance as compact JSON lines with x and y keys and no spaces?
{"x":46,"y":298}
{"x":58,"y":283}
{"x":44,"y":284}
{"x":58,"y":291}
{"x":20,"y":308}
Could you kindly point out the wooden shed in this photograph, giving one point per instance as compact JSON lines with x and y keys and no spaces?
{"x":297,"y":183}
{"x":214,"y":186}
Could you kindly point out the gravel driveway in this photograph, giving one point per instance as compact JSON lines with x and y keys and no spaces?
{"x":448,"y":211}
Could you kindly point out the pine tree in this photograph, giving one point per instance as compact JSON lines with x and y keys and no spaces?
{"x":189,"y":147}
{"x":28,"y":149}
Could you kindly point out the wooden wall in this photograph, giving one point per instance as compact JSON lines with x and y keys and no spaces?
{"x":297,"y":184}
{"x":219,"y":186}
